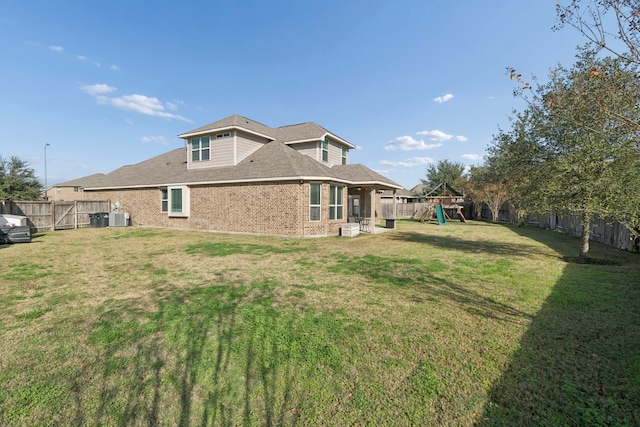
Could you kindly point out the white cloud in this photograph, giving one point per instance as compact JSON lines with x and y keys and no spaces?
{"x":114,"y":68}
{"x":81,"y":57}
{"x":422,"y":160}
{"x":473,"y":157}
{"x":407,"y":143}
{"x":408,"y":163}
{"x":435,"y":135}
{"x":98,"y":89}
{"x":159,"y":139}
{"x":444,"y":98}
{"x":382,"y":171}
{"x":396,"y":164}
{"x":56,"y":48}
{"x":438,"y":135}
{"x":142,"y":104}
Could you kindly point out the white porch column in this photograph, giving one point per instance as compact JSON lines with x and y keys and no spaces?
{"x":372,"y":214}
{"x":395,"y":211}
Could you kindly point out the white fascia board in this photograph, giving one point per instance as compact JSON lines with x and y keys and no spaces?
{"x":337,"y":138}
{"x":375,"y":183}
{"x":226,"y":128}
{"x":229,"y":181}
{"x":302,"y":141}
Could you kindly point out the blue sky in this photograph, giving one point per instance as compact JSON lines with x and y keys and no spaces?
{"x":112,"y":83}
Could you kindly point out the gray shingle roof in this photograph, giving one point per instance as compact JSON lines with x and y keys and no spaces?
{"x":274,"y":161}
{"x":235,"y":121}
{"x":286,"y":134}
{"x":86,"y":181}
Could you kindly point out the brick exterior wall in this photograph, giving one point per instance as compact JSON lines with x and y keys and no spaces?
{"x":280,"y":209}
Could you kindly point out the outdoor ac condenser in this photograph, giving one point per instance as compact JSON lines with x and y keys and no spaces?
{"x":118,"y":219}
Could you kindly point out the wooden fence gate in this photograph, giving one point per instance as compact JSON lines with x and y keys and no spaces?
{"x":53,"y":215}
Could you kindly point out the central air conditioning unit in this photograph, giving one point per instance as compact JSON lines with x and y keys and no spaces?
{"x":118,"y":219}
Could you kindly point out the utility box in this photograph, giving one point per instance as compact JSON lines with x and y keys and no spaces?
{"x":350,"y":230}
{"x":118,"y":219}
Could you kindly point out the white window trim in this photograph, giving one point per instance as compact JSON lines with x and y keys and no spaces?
{"x":319,"y":206}
{"x":336,"y":205}
{"x":164,"y":200}
{"x":324,"y":150}
{"x":200,"y":149}
{"x":186,"y":201}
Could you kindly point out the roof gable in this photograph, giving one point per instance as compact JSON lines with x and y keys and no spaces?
{"x":232,"y":122}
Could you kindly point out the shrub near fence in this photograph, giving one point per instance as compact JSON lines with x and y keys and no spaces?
{"x":52,"y":215}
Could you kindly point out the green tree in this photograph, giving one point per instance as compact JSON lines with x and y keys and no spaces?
{"x":485,"y":185}
{"x":581,"y":127}
{"x":514,"y":159}
{"x":444,"y":171}
{"x":18,"y":181}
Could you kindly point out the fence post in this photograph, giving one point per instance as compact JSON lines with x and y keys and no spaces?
{"x":52,"y":209}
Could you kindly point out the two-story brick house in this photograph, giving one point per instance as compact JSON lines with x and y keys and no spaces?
{"x":238,"y":175}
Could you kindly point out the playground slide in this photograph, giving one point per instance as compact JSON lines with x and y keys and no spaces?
{"x":440,"y":215}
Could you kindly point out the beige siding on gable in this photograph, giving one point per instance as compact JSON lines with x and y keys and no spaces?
{"x":311,"y":149}
{"x":247,"y":145}
{"x":335,"y":153}
{"x":222,"y":152}
{"x":314,"y":150}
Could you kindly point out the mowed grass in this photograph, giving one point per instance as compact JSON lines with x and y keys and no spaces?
{"x":463,"y":324}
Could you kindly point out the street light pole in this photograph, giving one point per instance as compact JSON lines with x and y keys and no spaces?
{"x":46,"y":188}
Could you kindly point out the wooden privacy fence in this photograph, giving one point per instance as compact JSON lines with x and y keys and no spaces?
{"x":403,"y":210}
{"x":53,"y":215}
{"x":609,"y":233}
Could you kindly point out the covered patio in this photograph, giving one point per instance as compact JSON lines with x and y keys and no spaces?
{"x":363,"y":204}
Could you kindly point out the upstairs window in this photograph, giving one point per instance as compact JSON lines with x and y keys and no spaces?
{"x":344,"y":155}
{"x":200,"y":149}
{"x":314,"y":202}
{"x":336,"y":202}
{"x":223,"y":135}
{"x":325,"y":150}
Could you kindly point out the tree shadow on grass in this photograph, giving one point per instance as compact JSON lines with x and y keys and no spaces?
{"x":455,"y":243}
{"x":419,"y":280}
{"x":194,"y":349}
{"x":578,"y":364}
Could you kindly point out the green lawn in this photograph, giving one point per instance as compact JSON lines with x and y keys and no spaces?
{"x":463,"y":324}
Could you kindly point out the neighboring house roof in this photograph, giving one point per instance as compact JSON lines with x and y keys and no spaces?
{"x":275,"y":161}
{"x":402,"y":193}
{"x":87,"y":181}
{"x":418,"y":190}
